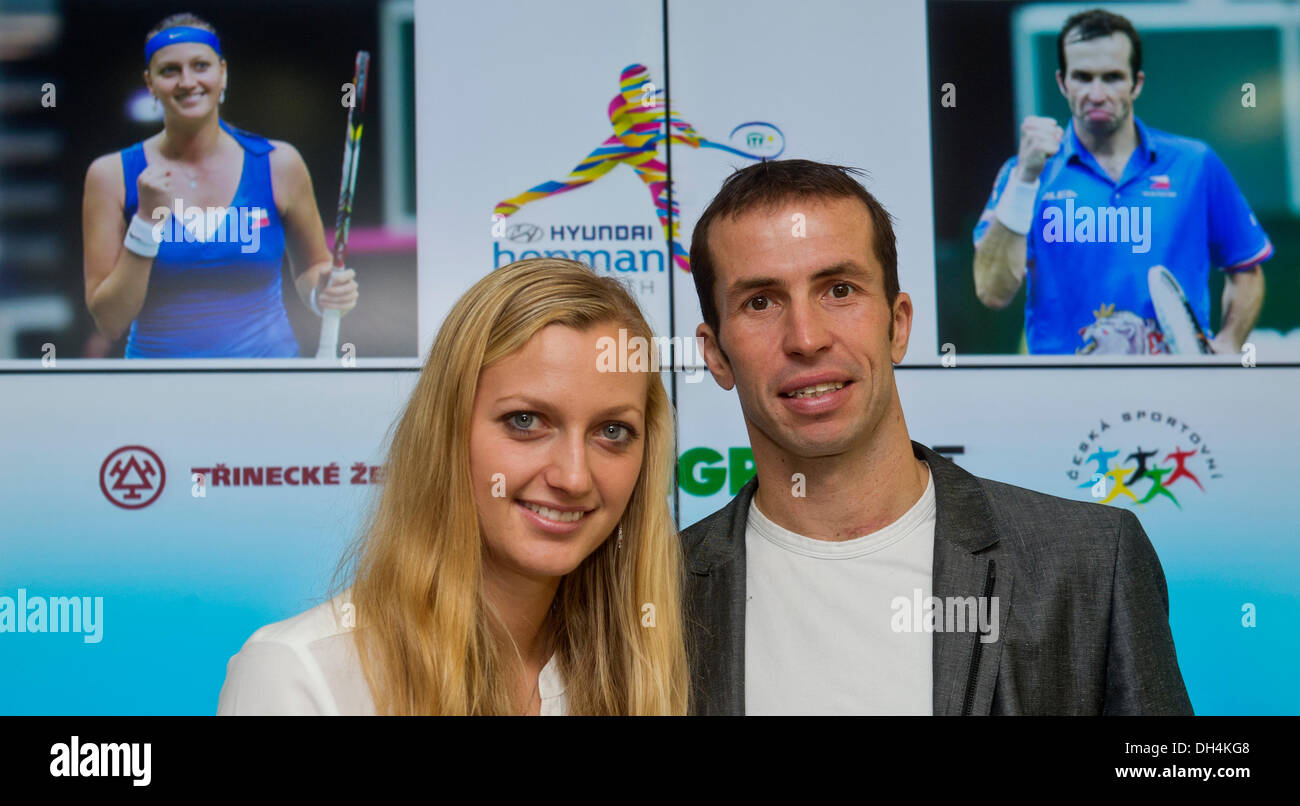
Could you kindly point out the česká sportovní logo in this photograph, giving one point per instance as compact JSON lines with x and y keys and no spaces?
{"x":1142,"y":456}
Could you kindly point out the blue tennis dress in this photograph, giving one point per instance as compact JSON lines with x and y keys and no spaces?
{"x":215,"y":288}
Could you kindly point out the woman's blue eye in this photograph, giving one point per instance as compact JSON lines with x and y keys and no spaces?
{"x":619,"y":432}
{"x":522,"y":420}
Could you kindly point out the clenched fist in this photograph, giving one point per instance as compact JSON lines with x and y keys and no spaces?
{"x":1040,"y":138}
{"x":154,"y":189}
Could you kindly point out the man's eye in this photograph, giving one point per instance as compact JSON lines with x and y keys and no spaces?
{"x":758,"y":303}
{"x":841,"y":290}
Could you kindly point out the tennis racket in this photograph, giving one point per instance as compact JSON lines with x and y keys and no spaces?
{"x":329,"y":327}
{"x":1182,"y":333}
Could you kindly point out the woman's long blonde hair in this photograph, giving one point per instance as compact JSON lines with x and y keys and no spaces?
{"x":428,"y":640}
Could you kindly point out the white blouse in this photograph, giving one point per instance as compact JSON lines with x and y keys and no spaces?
{"x":308,"y":665}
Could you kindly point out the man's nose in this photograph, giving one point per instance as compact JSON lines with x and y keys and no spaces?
{"x":806,"y":332}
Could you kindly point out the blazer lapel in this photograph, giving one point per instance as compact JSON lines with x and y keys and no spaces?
{"x":963,"y":526}
{"x":717,"y":608}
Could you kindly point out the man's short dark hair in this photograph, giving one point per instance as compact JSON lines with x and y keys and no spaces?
{"x":1095,"y":24}
{"x":769,"y":183}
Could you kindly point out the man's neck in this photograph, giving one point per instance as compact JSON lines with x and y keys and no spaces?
{"x":844,"y":496}
{"x":1112,"y":151}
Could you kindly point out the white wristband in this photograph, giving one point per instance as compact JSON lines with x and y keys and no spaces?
{"x":140,"y":238}
{"x":314,"y":307}
{"x":1016,"y":207}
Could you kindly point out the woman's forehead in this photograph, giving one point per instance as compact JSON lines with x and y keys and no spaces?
{"x":183,"y":52}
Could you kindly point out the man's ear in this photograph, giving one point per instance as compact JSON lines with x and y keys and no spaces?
{"x":902,"y":327}
{"x":1137,"y":85}
{"x":1060,"y":85}
{"x":714,"y":356}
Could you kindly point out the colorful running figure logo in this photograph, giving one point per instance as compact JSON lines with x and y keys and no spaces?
{"x":1102,"y":458}
{"x":637,"y":115}
{"x":1180,"y":456}
{"x":1141,"y":456}
{"x":1154,"y":474}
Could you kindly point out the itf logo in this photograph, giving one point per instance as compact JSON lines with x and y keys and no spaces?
{"x":132,"y":477}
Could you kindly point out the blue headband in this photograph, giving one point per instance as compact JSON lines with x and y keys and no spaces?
{"x":176,"y":35}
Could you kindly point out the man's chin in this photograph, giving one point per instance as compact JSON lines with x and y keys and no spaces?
{"x":816,"y":442}
{"x":1100,"y":127}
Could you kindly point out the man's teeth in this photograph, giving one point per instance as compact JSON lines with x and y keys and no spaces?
{"x":818,"y":390}
{"x":555,"y":514}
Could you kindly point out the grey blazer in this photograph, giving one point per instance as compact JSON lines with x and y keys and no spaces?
{"x":1083,"y":607}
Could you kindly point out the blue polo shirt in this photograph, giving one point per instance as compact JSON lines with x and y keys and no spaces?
{"x":1093,"y":240}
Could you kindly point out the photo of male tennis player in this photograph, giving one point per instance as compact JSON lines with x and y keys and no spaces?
{"x":185,"y":231}
{"x":1082,"y":213}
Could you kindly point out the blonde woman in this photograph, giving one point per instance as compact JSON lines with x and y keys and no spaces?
{"x":185,"y":231}
{"x":520,"y":557}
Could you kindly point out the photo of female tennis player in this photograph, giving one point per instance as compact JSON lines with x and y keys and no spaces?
{"x":185,"y":231}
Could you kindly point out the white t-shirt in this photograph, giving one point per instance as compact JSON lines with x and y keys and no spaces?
{"x":308,"y":665}
{"x":819,"y":626}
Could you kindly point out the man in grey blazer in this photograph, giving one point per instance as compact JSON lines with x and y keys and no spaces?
{"x":859,"y":571}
